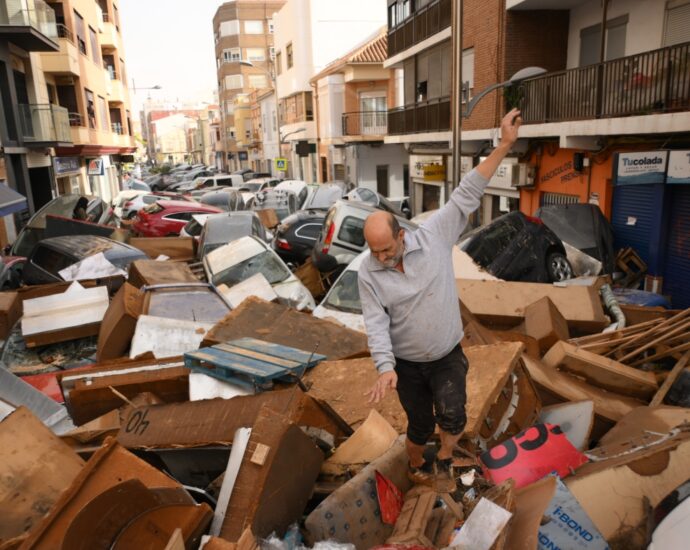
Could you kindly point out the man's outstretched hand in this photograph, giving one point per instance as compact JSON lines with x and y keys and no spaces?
{"x":386,"y":380}
{"x":509,"y":127}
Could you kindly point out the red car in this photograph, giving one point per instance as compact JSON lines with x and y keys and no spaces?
{"x":167,"y":218}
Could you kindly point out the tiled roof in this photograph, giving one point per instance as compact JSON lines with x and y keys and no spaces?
{"x":373,"y":50}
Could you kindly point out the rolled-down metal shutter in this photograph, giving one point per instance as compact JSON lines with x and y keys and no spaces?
{"x":633,"y":217}
{"x":551,"y":199}
{"x":677,"y":263}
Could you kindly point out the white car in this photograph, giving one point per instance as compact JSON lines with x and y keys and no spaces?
{"x":237,"y":261}
{"x":301,"y":190}
{"x":123,"y":197}
{"x":342,"y":301}
{"x":131,"y":207}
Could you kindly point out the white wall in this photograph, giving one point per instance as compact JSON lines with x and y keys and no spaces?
{"x":331,"y":106}
{"x":321,"y":31}
{"x":643,"y":33}
{"x":271,"y":149}
{"x":361,"y":162}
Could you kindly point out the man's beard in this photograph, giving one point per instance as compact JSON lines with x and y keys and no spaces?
{"x":395,"y":260}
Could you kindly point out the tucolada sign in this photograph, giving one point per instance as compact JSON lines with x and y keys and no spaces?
{"x":647,"y":167}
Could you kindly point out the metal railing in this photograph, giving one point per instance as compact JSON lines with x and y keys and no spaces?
{"x":64,"y":32}
{"x":423,"y":23}
{"x":651,"y":82}
{"x":365,"y":123}
{"x":106,"y":17}
{"x":117,"y":128}
{"x":428,"y":116}
{"x":29,"y":13}
{"x":44,"y":123}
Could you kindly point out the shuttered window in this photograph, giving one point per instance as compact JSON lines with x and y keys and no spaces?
{"x":677,"y":25}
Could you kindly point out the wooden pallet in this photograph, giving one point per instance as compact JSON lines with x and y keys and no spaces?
{"x":252,"y":363}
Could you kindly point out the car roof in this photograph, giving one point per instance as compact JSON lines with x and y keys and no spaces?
{"x":233,"y":253}
{"x":260,"y":180}
{"x":83,"y":246}
{"x":185,"y":205}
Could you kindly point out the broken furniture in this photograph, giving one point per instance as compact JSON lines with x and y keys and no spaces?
{"x":252,"y":363}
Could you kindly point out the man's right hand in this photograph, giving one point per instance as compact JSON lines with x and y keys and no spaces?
{"x":386,"y":380}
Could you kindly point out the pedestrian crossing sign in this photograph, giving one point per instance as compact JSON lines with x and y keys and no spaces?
{"x":281,"y":164}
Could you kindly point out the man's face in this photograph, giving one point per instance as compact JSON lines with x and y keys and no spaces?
{"x":389,"y":252}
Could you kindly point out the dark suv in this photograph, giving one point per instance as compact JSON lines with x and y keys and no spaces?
{"x":516,"y":247}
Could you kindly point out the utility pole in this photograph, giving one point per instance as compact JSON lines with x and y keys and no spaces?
{"x":456,"y":96}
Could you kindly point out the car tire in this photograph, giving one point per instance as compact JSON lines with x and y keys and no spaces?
{"x":558,"y":267}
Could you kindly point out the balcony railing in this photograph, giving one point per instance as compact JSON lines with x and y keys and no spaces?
{"x":365,"y":123}
{"x":651,"y":82}
{"x":29,"y":13}
{"x":44,"y":123}
{"x":425,"y":22}
{"x":106,"y":17}
{"x":75,"y":119}
{"x":64,"y":32}
{"x":117,"y":128}
{"x":427,"y":116}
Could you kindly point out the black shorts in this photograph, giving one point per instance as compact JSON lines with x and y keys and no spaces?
{"x":433,"y":393}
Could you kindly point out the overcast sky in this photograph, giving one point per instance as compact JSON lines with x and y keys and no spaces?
{"x":170,"y":43}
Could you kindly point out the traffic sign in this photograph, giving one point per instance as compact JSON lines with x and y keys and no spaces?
{"x":281,"y":164}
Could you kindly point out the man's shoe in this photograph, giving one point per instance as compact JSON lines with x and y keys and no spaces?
{"x":445,"y":477}
{"x":423,"y":475}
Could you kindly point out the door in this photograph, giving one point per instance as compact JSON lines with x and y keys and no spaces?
{"x":373,"y":116}
{"x":677,"y":259}
{"x":382,"y":180}
{"x":633,"y":217}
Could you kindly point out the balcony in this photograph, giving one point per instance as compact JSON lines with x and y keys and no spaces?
{"x":30,"y":24}
{"x":428,"y":116}
{"x":651,"y":82}
{"x":109,"y":37}
{"x":117,"y":128}
{"x":422,"y":24}
{"x":66,"y":61}
{"x":115,"y":91}
{"x":44,"y":125}
{"x":365,"y":125}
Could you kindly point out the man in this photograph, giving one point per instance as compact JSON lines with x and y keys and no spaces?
{"x":411,"y":313}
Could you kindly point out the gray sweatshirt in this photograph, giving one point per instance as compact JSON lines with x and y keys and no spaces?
{"x":415,"y":315}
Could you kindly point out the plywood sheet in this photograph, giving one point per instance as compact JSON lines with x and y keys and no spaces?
{"x":35,"y":468}
{"x":280,"y":324}
{"x":504,"y":302}
{"x":531,"y":503}
{"x":661,"y":419}
{"x":175,"y":248}
{"x":151,"y":272}
{"x":607,"y":405}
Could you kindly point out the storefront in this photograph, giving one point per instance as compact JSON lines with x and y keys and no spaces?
{"x":428,"y":177}
{"x":651,"y":214}
{"x":102,"y":174}
{"x":501,"y":195}
{"x":68,"y":175}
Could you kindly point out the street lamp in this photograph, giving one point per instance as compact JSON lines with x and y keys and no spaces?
{"x":282,"y":138}
{"x":134,"y":87}
{"x":517,"y":78}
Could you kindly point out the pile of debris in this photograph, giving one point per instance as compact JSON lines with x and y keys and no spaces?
{"x":225,"y":420}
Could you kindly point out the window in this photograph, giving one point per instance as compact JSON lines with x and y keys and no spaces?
{"x":288,"y":55}
{"x":229,"y":107}
{"x":392,"y":15}
{"x":103,"y":113}
{"x":590,"y":41}
{"x":677,"y":24}
{"x":467,"y":71}
{"x":232,"y":55}
{"x":123,"y":75}
{"x":279,"y":63}
{"x":253,"y":27}
{"x":230,"y":28}
{"x":116,"y":15}
{"x":352,"y":231}
{"x":256,"y":54}
{"x":81,"y":32}
{"x":257,"y":81}
{"x":90,"y":108}
{"x":272,"y":53}
{"x":271,"y":26}
{"x":95,"y":50}
{"x":234,"y":82}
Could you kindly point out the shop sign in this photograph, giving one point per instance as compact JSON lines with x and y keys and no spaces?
{"x":66,"y":165}
{"x":505,"y":176}
{"x":678,"y":167}
{"x":96,"y":167}
{"x":636,"y":168}
{"x":563,"y":173}
{"x":419,"y":162}
{"x":434,"y":172}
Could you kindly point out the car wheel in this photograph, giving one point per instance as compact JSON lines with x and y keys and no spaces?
{"x":558,"y":267}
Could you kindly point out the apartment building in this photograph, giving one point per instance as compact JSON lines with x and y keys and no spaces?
{"x":243,"y":31}
{"x":352,"y":96}
{"x":30,"y":126}
{"x":88,"y":77}
{"x":309,"y":34}
{"x":261,"y":137}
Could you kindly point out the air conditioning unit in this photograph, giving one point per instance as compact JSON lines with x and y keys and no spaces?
{"x":524,"y":175}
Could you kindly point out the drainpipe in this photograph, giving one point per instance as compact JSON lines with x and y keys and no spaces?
{"x":315,"y":94}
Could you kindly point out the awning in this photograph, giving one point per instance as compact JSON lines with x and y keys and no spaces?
{"x":11,"y":201}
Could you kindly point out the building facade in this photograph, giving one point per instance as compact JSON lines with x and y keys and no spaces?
{"x":352,"y":96}
{"x":243,"y":32}
{"x":310,"y":34}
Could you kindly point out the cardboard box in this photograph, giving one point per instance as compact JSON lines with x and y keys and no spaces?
{"x":268,"y":217}
{"x":151,"y":272}
{"x":175,"y":248}
{"x":10,"y":312}
{"x":119,"y":322}
{"x":545,"y":324}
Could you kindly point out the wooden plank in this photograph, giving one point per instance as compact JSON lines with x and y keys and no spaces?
{"x":601,"y":371}
{"x":682,"y":327}
{"x":606,"y":336}
{"x":670,"y":379}
{"x":669,"y":352}
{"x":278,"y":350}
{"x":251,"y":354}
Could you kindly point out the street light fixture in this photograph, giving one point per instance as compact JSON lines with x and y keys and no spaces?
{"x":282,"y":138}
{"x":134,"y":87}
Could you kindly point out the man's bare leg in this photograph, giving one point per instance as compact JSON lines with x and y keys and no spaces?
{"x":415,"y":453}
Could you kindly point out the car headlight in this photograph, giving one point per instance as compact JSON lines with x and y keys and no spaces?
{"x":301,"y":299}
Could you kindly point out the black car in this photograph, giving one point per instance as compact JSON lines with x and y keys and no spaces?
{"x":50,"y":256}
{"x":516,"y":247}
{"x":296,"y":235}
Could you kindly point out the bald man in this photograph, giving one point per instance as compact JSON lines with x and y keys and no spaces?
{"x":411,"y":313}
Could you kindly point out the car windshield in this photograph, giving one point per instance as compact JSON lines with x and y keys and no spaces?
{"x":344,"y":295}
{"x":251,"y":187}
{"x":266,"y":263}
